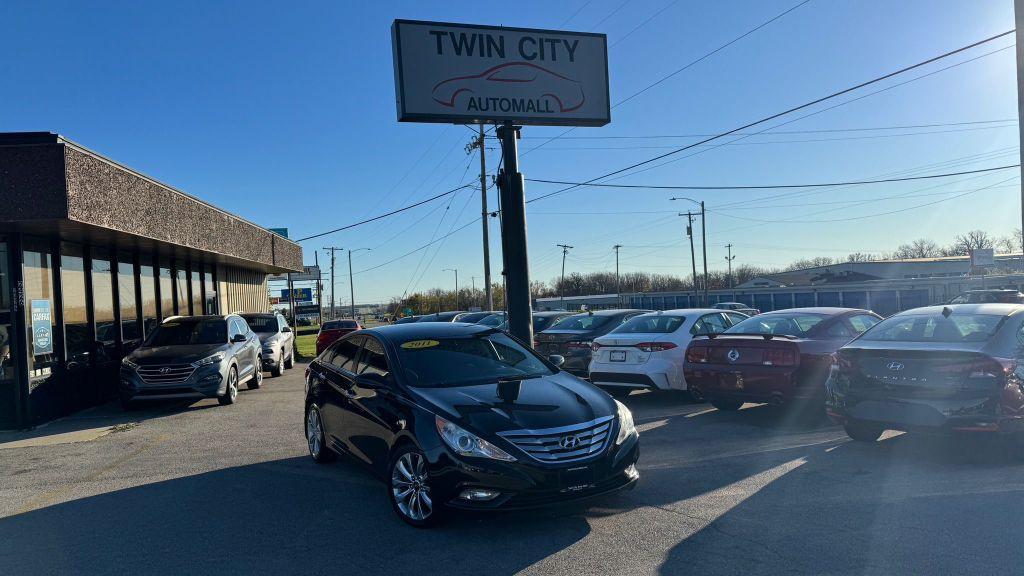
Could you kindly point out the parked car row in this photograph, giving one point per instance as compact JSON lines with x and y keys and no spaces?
{"x":206,"y":356}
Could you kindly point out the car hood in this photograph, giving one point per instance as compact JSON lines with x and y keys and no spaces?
{"x":175,"y":354}
{"x":548,"y":402}
{"x":264,"y":336}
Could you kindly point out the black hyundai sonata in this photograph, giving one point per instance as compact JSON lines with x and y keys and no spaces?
{"x":463,"y":416}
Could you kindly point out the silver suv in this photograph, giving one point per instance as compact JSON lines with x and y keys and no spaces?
{"x":277,"y":340}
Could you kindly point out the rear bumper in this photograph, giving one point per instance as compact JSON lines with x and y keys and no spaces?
{"x":981,"y":414}
{"x":756,"y":385}
{"x":655,"y":374}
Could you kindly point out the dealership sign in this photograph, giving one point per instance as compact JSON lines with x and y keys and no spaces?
{"x":299,"y":294}
{"x":488,"y":74}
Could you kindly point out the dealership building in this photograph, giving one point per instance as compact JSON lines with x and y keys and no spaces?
{"x":93,"y":255}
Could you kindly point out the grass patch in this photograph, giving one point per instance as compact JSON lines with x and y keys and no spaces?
{"x":305,"y":341}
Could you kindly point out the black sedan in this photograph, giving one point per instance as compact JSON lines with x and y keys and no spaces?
{"x":461,"y":416}
{"x":955,"y":368}
{"x":572,"y":337}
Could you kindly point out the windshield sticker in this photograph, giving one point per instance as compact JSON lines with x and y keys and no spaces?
{"x":420,"y":344}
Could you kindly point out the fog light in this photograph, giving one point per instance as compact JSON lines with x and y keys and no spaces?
{"x":478,"y":495}
{"x":632,"y":472}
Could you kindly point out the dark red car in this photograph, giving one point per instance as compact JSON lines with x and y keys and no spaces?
{"x":332,"y":330}
{"x":775,"y":357}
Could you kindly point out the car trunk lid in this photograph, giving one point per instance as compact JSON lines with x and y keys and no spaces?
{"x":910,"y":371}
{"x":634,"y":348}
{"x":745,"y":350}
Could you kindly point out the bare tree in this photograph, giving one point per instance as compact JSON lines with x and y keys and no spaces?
{"x":1009,"y":244}
{"x":964,"y":244}
{"x":920,"y":248}
{"x":861,"y":257}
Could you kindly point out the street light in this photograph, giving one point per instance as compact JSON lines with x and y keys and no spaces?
{"x":703,"y":242}
{"x":351,"y":286}
{"x":456,"y":270}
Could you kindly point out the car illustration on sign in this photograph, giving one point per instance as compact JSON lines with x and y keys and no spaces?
{"x":536,"y":90}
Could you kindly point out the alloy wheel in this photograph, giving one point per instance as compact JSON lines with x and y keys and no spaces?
{"x":314,"y":432}
{"x":233,"y":385}
{"x":410,"y":487}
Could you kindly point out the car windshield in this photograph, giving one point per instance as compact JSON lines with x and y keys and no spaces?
{"x":654,"y":324}
{"x":544,"y":322}
{"x":493,"y":320}
{"x":186,"y":331}
{"x":484,"y":357}
{"x":1009,"y":297}
{"x":261,"y":323}
{"x":935,"y":328}
{"x":582,"y":322}
{"x":795,"y":324}
{"x":339,"y":325}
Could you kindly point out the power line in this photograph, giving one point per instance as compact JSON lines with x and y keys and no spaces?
{"x":642,"y":24}
{"x":783,"y":113}
{"x":415,"y":250}
{"x":392,"y":213}
{"x":773,"y":186}
{"x":574,"y":14}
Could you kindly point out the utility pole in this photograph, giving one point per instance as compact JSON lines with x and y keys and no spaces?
{"x":618,"y":283}
{"x":484,"y":215}
{"x":456,"y":270}
{"x":319,"y":289}
{"x":472,"y":279}
{"x":729,"y":259}
{"x":704,"y":250}
{"x":561,"y":284}
{"x":351,"y":286}
{"x":1018,"y":11}
{"x":332,"y":250}
{"x":693,"y":256}
{"x":513,"y":238}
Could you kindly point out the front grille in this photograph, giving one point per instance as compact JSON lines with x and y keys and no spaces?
{"x":166,"y":374}
{"x":551,"y":444}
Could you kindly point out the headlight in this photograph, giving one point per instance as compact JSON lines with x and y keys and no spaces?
{"x":626,"y":427}
{"x":127,"y":362}
{"x":209,"y":360}
{"x":466,"y":444}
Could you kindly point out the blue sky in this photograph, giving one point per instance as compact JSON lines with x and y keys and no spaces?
{"x":285,"y":115}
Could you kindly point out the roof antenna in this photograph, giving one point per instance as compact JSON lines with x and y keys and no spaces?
{"x":946,"y":311}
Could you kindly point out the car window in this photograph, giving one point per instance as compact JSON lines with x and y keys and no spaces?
{"x":660,"y":324}
{"x":188,"y":331}
{"x":839,"y":330}
{"x":373,"y":360}
{"x":936,"y":328}
{"x":734,"y":318}
{"x":709,"y":324}
{"x":582,"y":322}
{"x":790,"y":324}
{"x":234,"y":328}
{"x":260,"y":323}
{"x":861,"y":322}
{"x":345,"y":352}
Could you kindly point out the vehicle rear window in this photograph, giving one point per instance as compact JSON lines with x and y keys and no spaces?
{"x":337,"y":325}
{"x":493,"y":320}
{"x":184,"y":332}
{"x":262,"y":323}
{"x":432,"y":362}
{"x":935,"y":328}
{"x":796,"y":324}
{"x":650,"y":325}
{"x":581,"y":322}
{"x":545,"y":322}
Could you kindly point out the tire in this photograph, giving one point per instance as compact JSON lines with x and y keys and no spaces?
{"x":231,"y":389}
{"x":275,"y":371}
{"x":862,"y":432}
{"x":316,"y":440}
{"x":257,"y":378}
{"x":290,"y":362}
{"x":407,"y":472}
{"x":726,"y":404}
{"x":693,"y":395}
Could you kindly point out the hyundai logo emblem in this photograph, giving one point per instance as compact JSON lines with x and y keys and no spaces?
{"x":165,"y":370}
{"x":733,"y":355}
{"x":895,"y":366}
{"x":569,"y":441}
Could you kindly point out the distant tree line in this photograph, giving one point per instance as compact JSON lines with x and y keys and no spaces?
{"x":590,"y":283}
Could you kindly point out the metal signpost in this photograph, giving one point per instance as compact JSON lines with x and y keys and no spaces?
{"x":459,"y":73}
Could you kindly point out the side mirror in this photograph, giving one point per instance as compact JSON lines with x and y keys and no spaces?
{"x":556,"y":359}
{"x":286,"y":329}
{"x":371,"y":381}
{"x":238,"y":338}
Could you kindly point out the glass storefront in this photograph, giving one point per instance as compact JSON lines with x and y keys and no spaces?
{"x":103,"y":305}
{"x":166,"y":289}
{"x":181,"y":290}
{"x":77,"y":342}
{"x":130,"y":332}
{"x":209,"y":290}
{"x":147,"y":288}
{"x":38,"y":279}
{"x":8,"y":381}
{"x":197,"y":292}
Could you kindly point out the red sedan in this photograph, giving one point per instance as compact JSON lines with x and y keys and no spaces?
{"x":332,"y":330}
{"x":775,"y":357}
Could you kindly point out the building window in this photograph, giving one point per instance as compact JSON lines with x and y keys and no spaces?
{"x":166,"y":289}
{"x":39,"y":323}
{"x":126,"y":297}
{"x":210,"y":291}
{"x":197,"y":290}
{"x":76,"y":319}
{"x":103,"y":305}
{"x":181,"y":289}
{"x":147,"y":286}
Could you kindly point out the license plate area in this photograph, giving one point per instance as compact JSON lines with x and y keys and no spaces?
{"x":731,"y":381}
{"x":576,"y":479}
{"x":617,"y":356}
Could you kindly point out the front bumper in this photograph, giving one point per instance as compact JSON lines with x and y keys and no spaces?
{"x":526,"y":484}
{"x":204,"y":382}
{"x":271,"y":358}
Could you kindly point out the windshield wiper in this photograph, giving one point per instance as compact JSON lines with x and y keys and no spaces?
{"x":504,"y":379}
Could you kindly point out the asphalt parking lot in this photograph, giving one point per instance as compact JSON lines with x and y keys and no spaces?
{"x":200,"y":488}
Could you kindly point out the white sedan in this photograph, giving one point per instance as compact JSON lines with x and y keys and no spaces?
{"x":647,"y":351}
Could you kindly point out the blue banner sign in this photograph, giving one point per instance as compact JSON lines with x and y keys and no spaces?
{"x":301,"y":295}
{"x":42,"y":327}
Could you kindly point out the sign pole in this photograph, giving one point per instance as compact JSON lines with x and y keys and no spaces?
{"x":483,"y":218}
{"x":513,"y":238}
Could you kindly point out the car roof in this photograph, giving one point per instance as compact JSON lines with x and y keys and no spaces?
{"x":612,"y":312}
{"x":257,"y":314}
{"x":740,"y":303}
{"x":685,"y":312}
{"x":993,"y":308}
{"x":547,"y":313}
{"x":826,"y":310}
{"x":416,"y":330}
{"x":990,"y":290}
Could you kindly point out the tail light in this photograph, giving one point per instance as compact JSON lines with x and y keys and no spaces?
{"x":991,"y":367}
{"x":595,"y":346}
{"x":779,"y":357}
{"x":579,"y":345}
{"x":655,"y":346}
{"x":697,"y":354}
